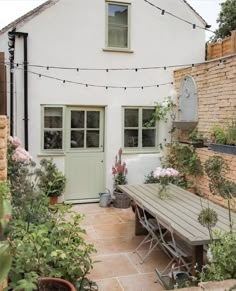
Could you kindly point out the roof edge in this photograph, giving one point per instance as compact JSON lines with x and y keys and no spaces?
{"x":27,"y":16}
{"x":197,"y":14}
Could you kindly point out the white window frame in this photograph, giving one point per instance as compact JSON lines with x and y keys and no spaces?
{"x":107,"y":47}
{"x":43,"y":129}
{"x":140,"y":128}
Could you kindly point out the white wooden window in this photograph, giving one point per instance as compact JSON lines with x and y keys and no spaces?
{"x":117,"y":30}
{"x":136,"y":133}
{"x":52,"y":128}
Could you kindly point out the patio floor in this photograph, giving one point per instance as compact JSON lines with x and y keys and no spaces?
{"x":117,"y":268}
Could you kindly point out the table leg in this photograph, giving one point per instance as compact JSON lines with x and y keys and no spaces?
{"x":197,"y":259}
{"x":139,"y":230}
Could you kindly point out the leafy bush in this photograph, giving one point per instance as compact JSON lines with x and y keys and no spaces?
{"x":54,"y":249}
{"x":223,"y":262}
{"x":184,"y":159}
{"x":51,"y":181}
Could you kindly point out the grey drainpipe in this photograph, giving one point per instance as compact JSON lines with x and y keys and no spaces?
{"x":26,"y":117}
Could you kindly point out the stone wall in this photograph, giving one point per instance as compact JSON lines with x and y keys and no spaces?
{"x":3,"y":147}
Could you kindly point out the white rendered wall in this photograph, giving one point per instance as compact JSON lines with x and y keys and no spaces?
{"x":72,"y":34}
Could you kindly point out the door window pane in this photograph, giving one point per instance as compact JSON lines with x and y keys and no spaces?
{"x":52,"y":117}
{"x":77,"y":119}
{"x":148,"y":138}
{"x":131,"y":138}
{"x":131,"y":117}
{"x":77,"y":139}
{"x":93,"y":119}
{"x":92,"y":139}
{"x":147,"y":115}
{"x":52,"y":140}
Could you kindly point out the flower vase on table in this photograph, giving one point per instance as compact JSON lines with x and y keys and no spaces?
{"x":163,"y":191}
{"x":165,"y":176}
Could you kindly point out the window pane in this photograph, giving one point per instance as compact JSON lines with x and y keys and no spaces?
{"x":93,"y":139}
{"x":131,"y":138}
{"x":131,"y":117}
{"x":117,"y":14}
{"x":147,"y":116}
{"x":77,"y":119}
{"x":92,"y":119}
{"x":52,"y":117}
{"x":148,"y":137}
{"x":77,"y":139}
{"x":117,"y":36}
{"x":52,"y":140}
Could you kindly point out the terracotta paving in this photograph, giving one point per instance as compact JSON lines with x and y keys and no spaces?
{"x":117,"y":267}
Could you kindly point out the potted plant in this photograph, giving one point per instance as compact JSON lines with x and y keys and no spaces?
{"x":224,"y":138}
{"x":197,"y":139}
{"x":51,"y":181}
{"x":119,"y":171}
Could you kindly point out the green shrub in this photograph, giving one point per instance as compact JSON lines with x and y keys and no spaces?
{"x":223,"y":263}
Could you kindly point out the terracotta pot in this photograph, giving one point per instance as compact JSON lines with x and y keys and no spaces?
{"x":192,"y":190}
{"x":51,"y":284}
{"x":53,"y":200}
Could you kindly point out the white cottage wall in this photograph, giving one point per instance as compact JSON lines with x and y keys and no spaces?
{"x":72,"y":33}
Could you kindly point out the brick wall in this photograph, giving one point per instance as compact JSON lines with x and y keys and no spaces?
{"x":203,"y":182}
{"x":216,"y":88}
{"x":3,"y":147}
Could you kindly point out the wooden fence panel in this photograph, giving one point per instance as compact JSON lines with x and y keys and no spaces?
{"x":224,"y":48}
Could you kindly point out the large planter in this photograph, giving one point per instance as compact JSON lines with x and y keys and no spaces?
{"x":223,"y":148}
{"x":54,"y":284}
{"x":121,"y":200}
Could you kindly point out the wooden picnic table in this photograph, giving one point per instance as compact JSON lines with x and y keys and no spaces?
{"x":181,"y":210}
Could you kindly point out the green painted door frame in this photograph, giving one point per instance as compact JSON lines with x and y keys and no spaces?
{"x":84,"y":161}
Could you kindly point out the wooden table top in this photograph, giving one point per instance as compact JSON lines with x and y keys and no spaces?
{"x":180,"y":209}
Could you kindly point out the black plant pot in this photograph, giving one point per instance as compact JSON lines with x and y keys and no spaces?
{"x":223,"y":148}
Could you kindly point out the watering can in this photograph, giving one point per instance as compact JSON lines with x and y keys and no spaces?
{"x":105,"y":199}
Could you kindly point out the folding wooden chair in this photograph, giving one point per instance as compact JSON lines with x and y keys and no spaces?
{"x":177,"y":252}
{"x":152,"y":239}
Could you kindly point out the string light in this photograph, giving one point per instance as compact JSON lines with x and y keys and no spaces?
{"x":96,"y":85}
{"x":136,"y":69}
{"x":177,"y":17}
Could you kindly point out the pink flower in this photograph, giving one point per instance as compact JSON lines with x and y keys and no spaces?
{"x":7,"y":216}
{"x":120,"y":152}
{"x":21,"y":154}
{"x":16,"y":141}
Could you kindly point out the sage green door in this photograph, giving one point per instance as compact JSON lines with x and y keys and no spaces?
{"x":84,"y":162}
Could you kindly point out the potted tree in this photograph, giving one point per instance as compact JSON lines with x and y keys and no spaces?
{"x":119,"y":171}
{"x":51,"y":181}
